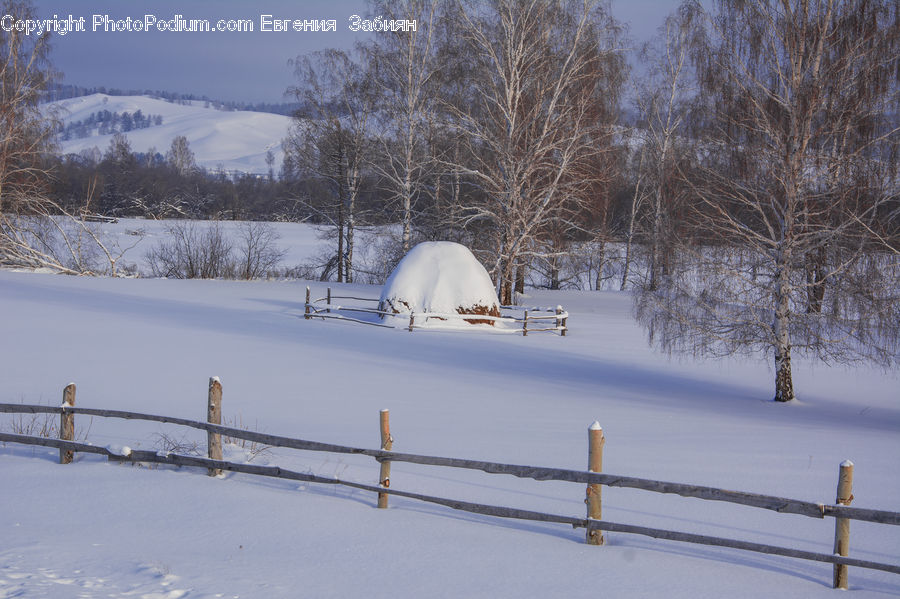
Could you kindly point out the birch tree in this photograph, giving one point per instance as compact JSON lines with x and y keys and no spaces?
{"x":404,"y":65}
{"x":663,"y":99}
{"x":330,"y":138}
{"x":538,"y":69}
{"x":800,"y":161}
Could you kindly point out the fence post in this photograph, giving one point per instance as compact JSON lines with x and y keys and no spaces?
{"x":561,"y":322}
{"x":525,"y":325}
{"x":387,"y":442}
{"x":328,"y":301}
{"x":842,"y":525}
{"x":306,"y":313}
{"x":67,"y":424}
{"x":412,"y":321}
{"x":214,"y":416}
{"x":596,"y":440}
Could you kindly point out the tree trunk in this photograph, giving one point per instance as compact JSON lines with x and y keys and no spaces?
{"x":348,"y":265}
{"x":784,"y":385}
{"x":340,"y":232}
{"x":407,"y":210}
{"x":507,"y":277}
{"x":815,"y":281}
{"x":655,"y":243}
{"x":627,"y":266}
{"x":554,"y":273}
{"x":601,"y":258}
{"x":506,"y":289}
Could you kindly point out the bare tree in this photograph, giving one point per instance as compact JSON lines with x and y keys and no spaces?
{"x":181,"y":157}
{"x":25,"y":132}
{"x":404,"y":65}
{"x":35,"y":231}
{"x":330,"y":139}
{"x":638,"y":197}
{"x":529,"y":126}
{"x":25,"y":136}
{"x":663,"y":99}
{"x":800,"y":167}
{"x":193,"y":252}
{"x":257,"y":250}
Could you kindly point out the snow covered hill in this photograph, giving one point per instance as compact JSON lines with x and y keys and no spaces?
{"x":232,"y":141}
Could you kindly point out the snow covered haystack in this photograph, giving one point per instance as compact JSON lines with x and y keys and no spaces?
{"x":440,"y":277}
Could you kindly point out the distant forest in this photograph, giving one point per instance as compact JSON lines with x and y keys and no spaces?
{"x":104,"y":122}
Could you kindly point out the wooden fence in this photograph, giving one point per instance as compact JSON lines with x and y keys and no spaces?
{"x":533,"y":320}
{"x":593,"y":478}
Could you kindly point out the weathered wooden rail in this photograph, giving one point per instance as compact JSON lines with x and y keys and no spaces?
{"x":593,"y":523}
{"x":533,"y":320}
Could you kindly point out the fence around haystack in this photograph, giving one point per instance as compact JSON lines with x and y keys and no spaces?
{"x":593,"y":478}
{"x":533,"y":320}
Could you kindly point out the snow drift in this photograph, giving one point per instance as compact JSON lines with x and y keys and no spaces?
{"x":440,"y":277}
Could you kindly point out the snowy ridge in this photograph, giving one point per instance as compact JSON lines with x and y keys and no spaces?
{"x":227,"y":140}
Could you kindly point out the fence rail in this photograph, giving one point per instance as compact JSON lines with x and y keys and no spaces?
{"x":314,"y":308}
{"x":591,"y":523}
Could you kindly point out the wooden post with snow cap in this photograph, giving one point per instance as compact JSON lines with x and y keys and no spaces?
{"x":306,"y":313}
{"x":596,"y":441}
{"x":412,"y":321}
{"x":328,"y":301}
{"x":525,"y":325}
{"x":560,"y":321}
{"x":67,"y":424}
{"x":842,"y":525}
{"x":387,"y":442}
{"x":214,"y":416}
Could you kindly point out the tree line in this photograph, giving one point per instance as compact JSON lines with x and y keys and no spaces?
{"x":104,"y":122}
{"x":754,"y":206}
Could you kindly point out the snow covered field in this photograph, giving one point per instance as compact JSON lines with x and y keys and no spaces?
{"x":231,"y":140}
{"x":93,"y":529}
{"x":300,"y":242}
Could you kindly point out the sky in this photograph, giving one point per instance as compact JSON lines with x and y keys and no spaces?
{"x":238,"y":66}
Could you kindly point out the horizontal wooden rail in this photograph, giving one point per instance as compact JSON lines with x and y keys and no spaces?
{"x":350,"y":319}
{"x":135,"y":456}
{"x":317,"y":309}
{"x":768,"y":502}
{"x":321,"y":313}
{"x":685,"y":537}
{"x":351,"y":297}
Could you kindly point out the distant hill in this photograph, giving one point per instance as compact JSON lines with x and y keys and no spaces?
{"x":229,"y":140}
{"x":65,"y":91}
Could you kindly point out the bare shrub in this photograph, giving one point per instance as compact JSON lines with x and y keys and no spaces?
{"x":194,"y":252}
{"x":258,"y":252}
{"x":167,"y":443}
{"x":34,"y":425}
{"x":204,"y":251}
{"x":253,"y":448}
{"x":41,"y":425}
